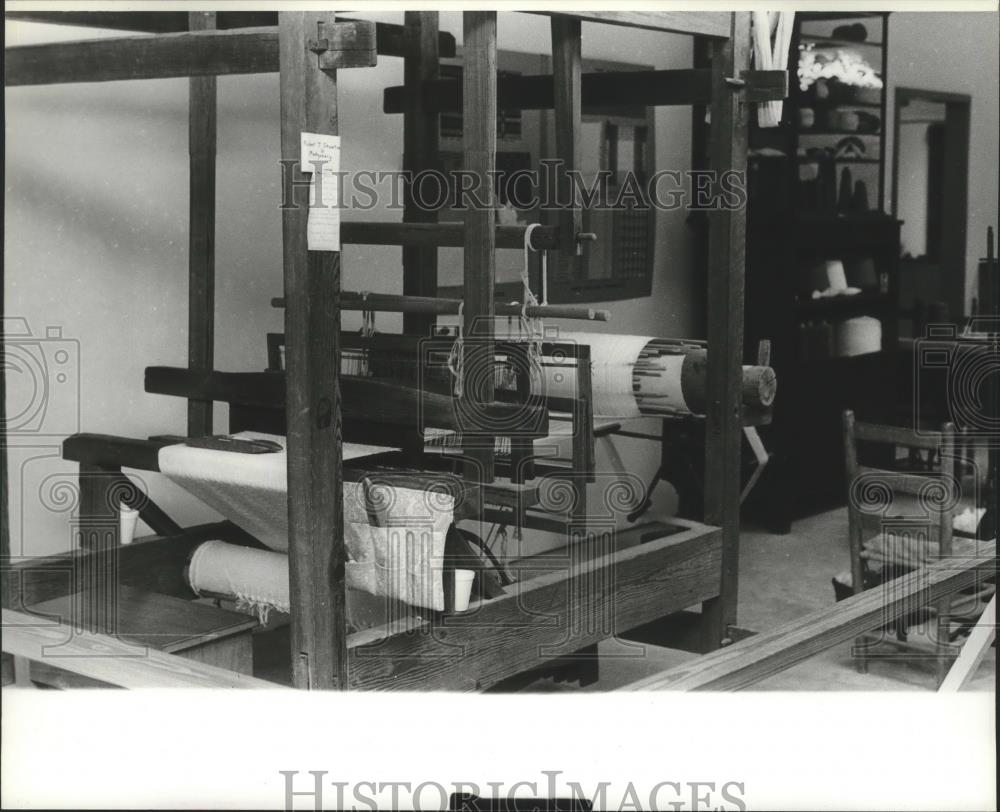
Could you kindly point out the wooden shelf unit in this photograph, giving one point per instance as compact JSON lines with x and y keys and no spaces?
{"x":702,"y":560}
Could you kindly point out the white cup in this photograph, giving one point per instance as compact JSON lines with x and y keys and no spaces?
{"x":463,"y":588}
{"x":127,"y":519}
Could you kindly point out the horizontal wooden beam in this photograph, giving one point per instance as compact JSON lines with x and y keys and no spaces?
{"x":201,"y":53}
{"x":111,"y":660}
{"x":442,"y":235}
{"x":556,"y":607}
{"x":392,"y":303}
{"x":748,"y":662}
{"x":713,"y":24}
{"x":363,"y":399}
{"x":609,"y":89}
{"x":389,"y":37}
{"x":164,"y":56}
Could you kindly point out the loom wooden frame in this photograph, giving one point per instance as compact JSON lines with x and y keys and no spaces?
{"x":320,"y":650}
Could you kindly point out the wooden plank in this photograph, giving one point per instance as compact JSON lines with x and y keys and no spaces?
{"x":703,"y":23}
{"x":390,"y":38}
{"x":896,"y":435}
{"x":479,"y":147}
{"x":566,"y":75}
{"x":973,"y":650}
{"x":197,"y":53}
{"x":109,"y":451}
{"x":231,"y":654}
{"x":601,"y":90}
{"x":540,"y":617}
{"x":108,"y":659}
{"x":312,"y":359}
{"x":442,"y":235}
{"x":420,"y":152}
{"x":152,"y":564}
{"x":151,"y":619}
{"x":361,"y":398}
{"x":726,"y":261}
{"x":201,"y":229}
{"x":748,"y":662}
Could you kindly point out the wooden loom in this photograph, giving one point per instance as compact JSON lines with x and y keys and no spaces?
{"x":698,"y":563}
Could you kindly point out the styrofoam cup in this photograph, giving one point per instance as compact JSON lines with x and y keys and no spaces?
{"x":463,"y":588}
{"x":127,"y":519}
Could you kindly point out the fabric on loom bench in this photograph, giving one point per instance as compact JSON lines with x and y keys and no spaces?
{"x":399,"y":557}
{"x":391,"y":562}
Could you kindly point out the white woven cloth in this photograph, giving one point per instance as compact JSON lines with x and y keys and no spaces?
{"x":394,"y":536}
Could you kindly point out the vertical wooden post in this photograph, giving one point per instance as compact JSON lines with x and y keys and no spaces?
{"x":950,"y":469}
{"x":6,"y":576}
{"x":420,"y":152}
{"x":567,"y":82}
{"x":726,"y":258}
{"x":479,"y":142}
{"x":312,"y":357}
{"x":201,"y":245}
{"x":95,"y":579}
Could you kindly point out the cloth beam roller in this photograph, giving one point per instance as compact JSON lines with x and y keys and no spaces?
{"x":639,"y":376}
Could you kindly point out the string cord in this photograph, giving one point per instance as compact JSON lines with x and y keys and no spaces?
{"x":532,"y":328}
{"x":456,"y":358}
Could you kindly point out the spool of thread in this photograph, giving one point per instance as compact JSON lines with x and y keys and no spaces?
{"x":127,"y":520}
{"x":463,"y":588}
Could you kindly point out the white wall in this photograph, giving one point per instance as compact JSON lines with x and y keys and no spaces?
{"x":96,"y":223}
{"x":96,"y":239}
{"x":956,"y":53}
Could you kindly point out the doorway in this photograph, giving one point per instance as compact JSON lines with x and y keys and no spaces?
{"x":930,"y":169}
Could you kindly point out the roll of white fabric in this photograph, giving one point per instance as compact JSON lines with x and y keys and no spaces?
{"x":858,"y":336}
{"x":389,"y":562}
{"x":257,"y":579}
{"x":612,"y":359}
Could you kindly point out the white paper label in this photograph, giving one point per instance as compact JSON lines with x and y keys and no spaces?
{"x":321,"y":159}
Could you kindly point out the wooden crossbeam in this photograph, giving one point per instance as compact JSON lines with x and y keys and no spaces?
{"x":647,"y":88}
{"x":362,"y":398}
{"x":390,"y":38}
{"x":594,"y":592}
{"x":434,"y":305}
{"x":195,"y":53}
{"x":111,"y":660}
{"x":714,"y":24}
{"x":745,"y":663}
{"x":198,"y":53}
{"x":442,"y":235}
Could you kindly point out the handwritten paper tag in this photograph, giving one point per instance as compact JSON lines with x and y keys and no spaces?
{"x":321,"y":158}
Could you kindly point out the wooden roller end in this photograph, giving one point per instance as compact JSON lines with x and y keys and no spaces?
{"x":760,"y":385}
